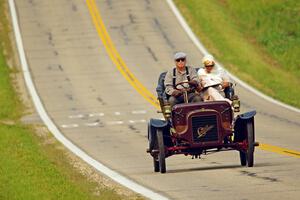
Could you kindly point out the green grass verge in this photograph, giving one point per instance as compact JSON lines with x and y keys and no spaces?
{"x":31,"y":167}
{"x":10,"y":106}
{"x":30,"y":170}
{"x":258,"y":41}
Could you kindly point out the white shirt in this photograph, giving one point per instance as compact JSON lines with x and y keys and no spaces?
{"x":216,"y":76}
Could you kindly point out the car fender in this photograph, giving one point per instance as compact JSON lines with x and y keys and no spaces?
{"x":240,"y":124}
{"x":247,"y":115}
{"x":155,"y":124}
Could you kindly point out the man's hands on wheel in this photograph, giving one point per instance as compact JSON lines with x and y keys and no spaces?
{"x":193,"y":83}
{"x":195,"y":86}
{"x":176,"y":93}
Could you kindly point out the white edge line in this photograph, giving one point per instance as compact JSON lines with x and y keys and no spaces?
{"x":204,"y":51}
{"x":55,"y":131}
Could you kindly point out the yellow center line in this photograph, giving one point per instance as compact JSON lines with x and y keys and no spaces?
{"x":135,"y":83}
{"x":115,"y":56}
{"x":280,"y":150}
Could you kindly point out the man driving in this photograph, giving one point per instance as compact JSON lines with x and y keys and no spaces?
{"x":179,"y":74}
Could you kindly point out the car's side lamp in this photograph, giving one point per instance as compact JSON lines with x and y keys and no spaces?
{"x":236,"y":103}
{"x":167,"y":110}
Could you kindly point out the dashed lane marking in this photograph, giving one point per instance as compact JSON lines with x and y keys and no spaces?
{"x":79,"y":116}
{"x":93,"y":124}
{"x":115,"y":122}
{"x":137,"y":121}
{"x":101,"y":114}
{"x":136,"y":112}
{"x":100,"y":124}
{"x":70,"y":126}
{"x":96,"y":114}
{"x":117,"y":113}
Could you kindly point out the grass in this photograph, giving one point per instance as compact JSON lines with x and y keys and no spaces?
{"x":10,"y":104}
{"x":258,"y":41}
{"x":31,"y":166}
{"x":25,"y":172}
{"x":31,"y":170}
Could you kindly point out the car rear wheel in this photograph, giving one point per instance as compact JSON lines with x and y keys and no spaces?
{"x":161,"y":154}
{"x":155,"y":164}
{"x":247,"y":155}
{"x":250,"y":149}
{"x":243,"y":158}
{"x":154,"y":146}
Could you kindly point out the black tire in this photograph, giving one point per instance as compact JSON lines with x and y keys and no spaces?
{"x":161,"y":154}
{"x":250,"y":139}
{"x":153,"y":146}
{"x":155,"y":164}
{"x":243,"y":158}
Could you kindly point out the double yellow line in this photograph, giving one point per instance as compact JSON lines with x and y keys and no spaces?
{"x":280,"y":150}
{"x":115,"y":56}
{"x":124,"y":70}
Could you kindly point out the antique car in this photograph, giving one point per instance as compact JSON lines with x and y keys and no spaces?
{"x":199,"y":128}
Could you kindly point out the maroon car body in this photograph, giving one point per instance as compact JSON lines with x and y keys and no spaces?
{"x":200,"y":128}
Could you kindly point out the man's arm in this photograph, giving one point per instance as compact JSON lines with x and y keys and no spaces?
{"x":225,"y":79}
{"x":195,"y":81}
{"x":194,"y":75}
{"x":169,"y":82}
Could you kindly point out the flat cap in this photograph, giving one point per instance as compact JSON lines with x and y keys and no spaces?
{"x":178,"y":55}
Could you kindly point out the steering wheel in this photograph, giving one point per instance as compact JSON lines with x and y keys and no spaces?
{"x":184,"y":87}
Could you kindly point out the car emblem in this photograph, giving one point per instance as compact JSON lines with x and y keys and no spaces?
{"x":202,"y":131}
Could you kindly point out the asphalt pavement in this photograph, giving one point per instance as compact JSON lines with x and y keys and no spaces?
{"x":89,"y":98}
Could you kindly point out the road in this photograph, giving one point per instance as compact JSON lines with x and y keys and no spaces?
{"x":80,"y":75}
